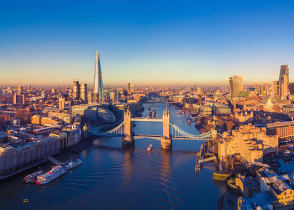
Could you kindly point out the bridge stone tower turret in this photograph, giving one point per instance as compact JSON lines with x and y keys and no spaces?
{"x":166,"y":140}
{"x":128,"y":137}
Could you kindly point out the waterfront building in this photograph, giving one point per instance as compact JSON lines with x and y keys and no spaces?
{"x":98,"y":82}
{"x":280,"y":187}
{"x":247,"y":184}
{"x":26,"y":148}
{"x":84,"y":92}
{"x":284,"y":81}
{"x":76,"y":89}
{"x":250,"y":142}
{"x":236,"y":85}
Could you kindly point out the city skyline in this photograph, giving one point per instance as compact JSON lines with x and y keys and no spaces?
{"x":192,"y":42}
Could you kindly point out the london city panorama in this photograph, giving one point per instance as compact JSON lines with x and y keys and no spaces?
{"x":146,"y":105}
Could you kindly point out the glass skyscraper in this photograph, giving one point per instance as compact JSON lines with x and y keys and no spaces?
{"x":98,"y":82}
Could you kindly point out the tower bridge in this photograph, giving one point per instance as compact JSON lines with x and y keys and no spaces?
{"x":170,"y":131}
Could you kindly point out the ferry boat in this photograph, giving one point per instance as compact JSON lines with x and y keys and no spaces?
{"x":72,"y":163}
{"x":149,"y":148}
{"x":55,"y":172}
{"x":31,"y":178}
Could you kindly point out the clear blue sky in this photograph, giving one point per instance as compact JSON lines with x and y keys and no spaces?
{"x":145,"y":41}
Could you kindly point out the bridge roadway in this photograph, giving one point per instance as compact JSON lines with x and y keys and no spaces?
{"x":137,"y":119}
{"x":158,"y":137}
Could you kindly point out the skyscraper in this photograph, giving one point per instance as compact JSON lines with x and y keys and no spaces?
{"x":84,"y":92}
{"x":61,"y":103}
{"x":98,"y":82}
{"x":276,"y":88}
{"x":76,"y":89}
{"x":131,"y":88}
{"x":284,"y":81}
{"x":236,"y":85}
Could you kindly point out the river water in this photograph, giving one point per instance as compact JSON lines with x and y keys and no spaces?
{"x":112,"y":178}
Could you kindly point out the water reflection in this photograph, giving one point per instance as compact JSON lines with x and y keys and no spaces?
{"x":128,"y":162}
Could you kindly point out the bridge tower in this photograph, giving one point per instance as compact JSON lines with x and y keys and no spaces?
{"x":166,"y":140}
{"x":128,"y":134}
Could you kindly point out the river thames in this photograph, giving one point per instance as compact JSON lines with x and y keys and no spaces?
{"x":112,"y":178}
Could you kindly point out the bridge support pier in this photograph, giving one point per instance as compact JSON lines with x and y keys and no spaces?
{"x":128,"y":141}
{"x":166,"y":143}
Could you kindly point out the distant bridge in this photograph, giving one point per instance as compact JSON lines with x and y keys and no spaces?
{"x":170,"y":131}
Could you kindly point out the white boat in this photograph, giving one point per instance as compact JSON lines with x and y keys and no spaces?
{"x":149,"y":148}
{"x":72,"y":163}
{"x":55,"y":172}
{"x":31,"y":178}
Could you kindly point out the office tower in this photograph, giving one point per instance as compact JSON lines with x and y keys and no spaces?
{"x":90,"y":97}
{"x":61,"y":103}
{"x":291,"y":88}
{"x":76,"y":89}
{"x":19,"y":99}
{"x":276,"y":88}
{"x":19,"y":89}
{"x":84,"y":92}
{"x":98,"y":82}
{"x":284,"y":81}
{"x":131,"y":88}
{"x":118,"y":96}
{"x":236,"y":85}
{"x":266,"y":88}
{"x":112,"y":96}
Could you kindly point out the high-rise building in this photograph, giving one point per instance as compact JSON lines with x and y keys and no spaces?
{"x":90,"y":97}
{"x":84,"y":92}
{"x":76,"y":89}
{"x":284,"y":81}
{"x":61,"y":103}
{"x":291,"y":88}
{"x":276,"y":88}
{"x":112,"y":96}
{"x":131,"y":88}
{"x":98,"y":82}
{"x":236,"y":85}
{"x":19,"y":89}
{"x":19,"y":98}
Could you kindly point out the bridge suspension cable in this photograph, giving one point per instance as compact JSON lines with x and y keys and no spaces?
{"x":179,"y":133}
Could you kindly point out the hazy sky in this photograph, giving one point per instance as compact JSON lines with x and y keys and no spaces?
{"x":145,"y":41}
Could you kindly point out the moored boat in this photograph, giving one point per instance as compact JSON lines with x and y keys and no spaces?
{"x":55,"y":172}
{"x":72,"y":163}
{"x":31,"y":178}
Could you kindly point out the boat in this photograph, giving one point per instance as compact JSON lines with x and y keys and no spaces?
{"x":149,"y":148}
{"x":220,"y":176}
{"x":31,"y":178}
{"x":55,"y":172}
{"x":72,"y":163}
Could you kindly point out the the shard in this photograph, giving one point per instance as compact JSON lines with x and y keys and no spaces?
{"x":98,"y":82}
